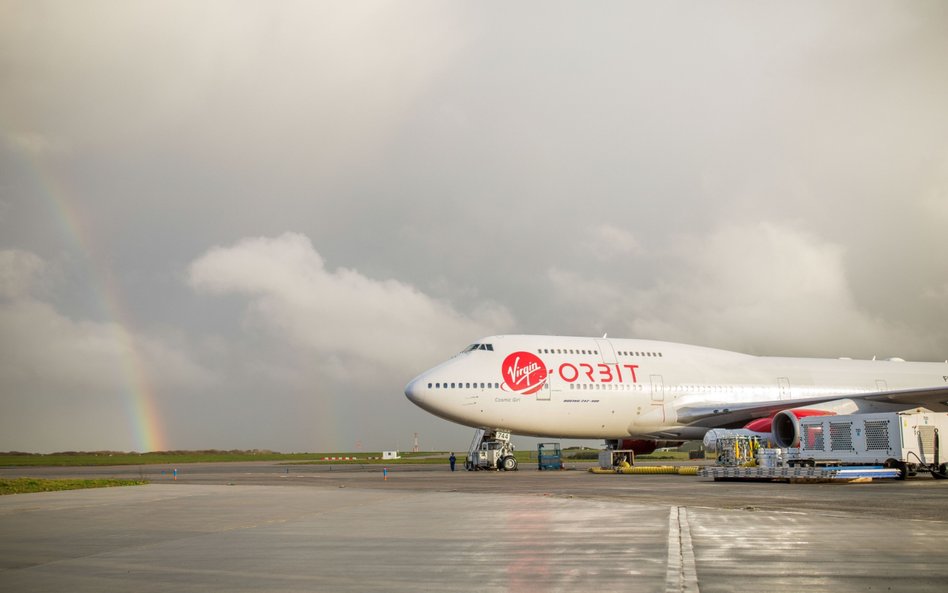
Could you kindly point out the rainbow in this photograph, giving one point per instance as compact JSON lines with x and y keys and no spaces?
{"x":144,"y":420}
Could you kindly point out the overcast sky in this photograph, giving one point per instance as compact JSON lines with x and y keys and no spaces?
{"x":250,"y":224}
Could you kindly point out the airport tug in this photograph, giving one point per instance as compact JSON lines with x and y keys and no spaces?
{"x":491,"y":449}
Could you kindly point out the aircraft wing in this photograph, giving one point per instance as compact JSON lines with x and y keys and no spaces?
{"x":734,"y":415}
{"x":933,"y":398}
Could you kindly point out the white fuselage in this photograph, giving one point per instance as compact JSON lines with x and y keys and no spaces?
{"x":615,"y":388}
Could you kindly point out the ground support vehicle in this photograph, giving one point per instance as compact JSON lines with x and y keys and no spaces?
{"x":549,"y":456}
{"x":613,"y":458}
{"x":907,"y":441}
{"x":736,"y":450}
{"x":491,"y":449}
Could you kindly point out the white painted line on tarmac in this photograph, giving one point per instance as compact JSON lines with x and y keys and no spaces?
{"x":681,"y":575}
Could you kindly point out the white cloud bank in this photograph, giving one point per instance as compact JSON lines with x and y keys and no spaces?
{"x":339,"y":314}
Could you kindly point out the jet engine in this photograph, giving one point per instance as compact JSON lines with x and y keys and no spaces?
{"x":783,"y":428}
{"x":786,"y":423}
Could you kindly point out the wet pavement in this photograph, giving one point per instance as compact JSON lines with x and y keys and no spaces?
{"x":266,"y":527}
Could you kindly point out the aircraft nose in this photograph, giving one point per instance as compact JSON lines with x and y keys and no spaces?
{"x":419,"y":392}
{"x":413,"y":391}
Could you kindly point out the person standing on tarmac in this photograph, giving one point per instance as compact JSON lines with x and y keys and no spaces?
{"x":452,"y":460}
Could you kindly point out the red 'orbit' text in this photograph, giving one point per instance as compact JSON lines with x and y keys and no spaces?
{"x":600,"y":373}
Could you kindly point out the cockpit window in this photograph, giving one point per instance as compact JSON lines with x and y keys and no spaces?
{"x":489,"y":347}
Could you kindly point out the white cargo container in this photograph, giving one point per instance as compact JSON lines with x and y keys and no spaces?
{"x":907,"y":441}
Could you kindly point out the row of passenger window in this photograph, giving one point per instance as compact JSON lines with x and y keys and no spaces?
{"x":565,"y":351}
{"x":599,"y":386}
{"x":460,"y":385}
{"x":607,"y":386}
{"x":578,"y":351}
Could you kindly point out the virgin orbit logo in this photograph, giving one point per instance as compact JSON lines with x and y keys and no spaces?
{"x":524,"y":372}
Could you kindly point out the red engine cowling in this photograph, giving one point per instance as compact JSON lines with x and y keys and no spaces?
{"x":786,"y":425}
{"x":762,"y":426}
{"x":644,"y":447}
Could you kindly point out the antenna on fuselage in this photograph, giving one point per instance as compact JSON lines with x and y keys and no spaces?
{"x":604,"y":335}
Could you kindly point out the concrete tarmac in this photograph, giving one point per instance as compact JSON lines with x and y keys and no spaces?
{"x":272,"y":527}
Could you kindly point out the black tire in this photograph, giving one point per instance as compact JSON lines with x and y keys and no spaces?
{"x":893,"y":464}
{"x":903,"y":469}
{"x":509,"y":463}
{"x":941,"y":472}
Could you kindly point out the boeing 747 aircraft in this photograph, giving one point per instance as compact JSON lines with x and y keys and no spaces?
{"x":640,"y":394}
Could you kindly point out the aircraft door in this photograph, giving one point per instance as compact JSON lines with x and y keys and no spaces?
{"x":606,"y":350}
{"x":783,"y":387}
{"x":658,"y":393}
{"x":544,"y":393}
{"x":658,"y":389}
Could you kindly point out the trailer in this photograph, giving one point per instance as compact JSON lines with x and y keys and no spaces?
{"x":907,"y":441}
{"x":614,"y":458}
{"x":860,"y":473}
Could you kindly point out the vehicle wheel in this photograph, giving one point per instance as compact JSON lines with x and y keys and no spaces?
{"x":893,"y":464}
{"x":509,"y":463}
{"x":903,"y":469}
{"x":941,"y":472}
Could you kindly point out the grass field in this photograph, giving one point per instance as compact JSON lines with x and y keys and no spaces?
{"x":182,"y":457}
{"x":118,"y":458}
{"x":29,"y":485}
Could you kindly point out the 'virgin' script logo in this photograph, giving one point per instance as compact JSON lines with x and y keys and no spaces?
{"x":524,"y":372}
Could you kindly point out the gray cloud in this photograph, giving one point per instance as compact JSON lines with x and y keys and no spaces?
{"x":768,"y":289}
{"x":19,"y":272}
{"x":72,"y":384}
